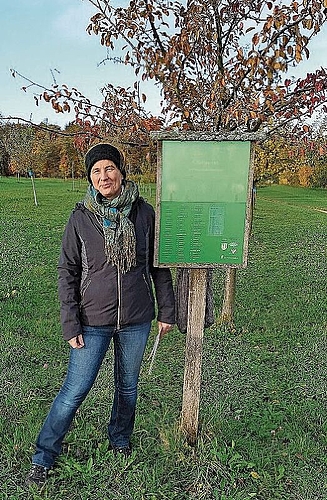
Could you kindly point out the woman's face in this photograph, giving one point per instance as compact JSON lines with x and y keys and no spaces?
{"x":106,"y":178}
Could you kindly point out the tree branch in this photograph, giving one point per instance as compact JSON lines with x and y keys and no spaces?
{"x":49,"y":129}
{"x":154,"y":30}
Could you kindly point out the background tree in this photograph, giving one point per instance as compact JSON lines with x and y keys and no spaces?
{"x":4,"y":156}
{"x":273,"y":158}
{"x":318,"y":154}
{"x":305,"y":175}
{"x":287,"y":158}
{"x":17,"y":143}
{"x":71,"y":159}
{"x":47,"y":152}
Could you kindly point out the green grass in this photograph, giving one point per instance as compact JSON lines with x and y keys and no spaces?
{"x":263,"y":423}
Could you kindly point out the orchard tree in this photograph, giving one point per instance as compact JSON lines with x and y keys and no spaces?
{"x":317,"y":154}
{"x":4,"y":156}
{"x":17,"y":143}
{"x":218,"y":65}
{"x":47,"y":152}
{"x":71,"y":159}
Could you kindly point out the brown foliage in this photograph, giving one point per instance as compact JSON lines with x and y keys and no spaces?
{"x":219,"y":65}
{"x":197,"y":55}
{"x":304,"y":174}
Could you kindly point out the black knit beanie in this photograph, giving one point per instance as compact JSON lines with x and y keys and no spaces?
{"x":104,"y":152}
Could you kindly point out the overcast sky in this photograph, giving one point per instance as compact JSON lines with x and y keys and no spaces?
{"x":41,"y":38}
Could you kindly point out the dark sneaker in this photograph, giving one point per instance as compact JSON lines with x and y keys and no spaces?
{"x":125,"y":451}
{"x":37,"y":476}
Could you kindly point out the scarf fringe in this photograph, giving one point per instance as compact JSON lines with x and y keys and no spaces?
{"x":122,"y":253}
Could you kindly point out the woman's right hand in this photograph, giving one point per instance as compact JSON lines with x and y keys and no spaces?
{"x":77,"y":342}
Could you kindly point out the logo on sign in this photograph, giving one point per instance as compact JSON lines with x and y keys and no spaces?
{"x":224,"y":246}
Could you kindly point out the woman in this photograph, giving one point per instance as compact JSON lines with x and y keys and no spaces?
{"x":105,"y":291}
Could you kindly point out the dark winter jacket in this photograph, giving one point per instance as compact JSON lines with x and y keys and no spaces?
{"x":92,"y":292}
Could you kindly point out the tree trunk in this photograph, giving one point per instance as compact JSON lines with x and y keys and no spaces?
{"x":227,"y":311}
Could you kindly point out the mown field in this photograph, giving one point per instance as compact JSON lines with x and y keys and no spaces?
{"x":263,"y":414}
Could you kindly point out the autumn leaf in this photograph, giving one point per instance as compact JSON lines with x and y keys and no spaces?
{"x":298,"y":53}
{"x":255,"y":39}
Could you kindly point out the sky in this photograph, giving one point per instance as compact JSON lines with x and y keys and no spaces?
{"x":46,"y":40}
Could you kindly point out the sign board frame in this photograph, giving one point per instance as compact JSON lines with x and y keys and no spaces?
{"x":170,"y":143}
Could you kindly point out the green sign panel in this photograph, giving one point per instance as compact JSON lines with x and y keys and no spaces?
{"x":203,"y":200}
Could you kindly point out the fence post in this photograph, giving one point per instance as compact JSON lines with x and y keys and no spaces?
{"x":229,"y":296}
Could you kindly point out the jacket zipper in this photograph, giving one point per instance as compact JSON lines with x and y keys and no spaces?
{"x":147,"y":287}
{"x":119,"y":298}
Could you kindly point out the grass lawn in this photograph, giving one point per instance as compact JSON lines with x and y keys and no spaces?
{"x":263,"y":413}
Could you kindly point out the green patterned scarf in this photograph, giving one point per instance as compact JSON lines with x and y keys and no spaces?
{"x":119,"y":232}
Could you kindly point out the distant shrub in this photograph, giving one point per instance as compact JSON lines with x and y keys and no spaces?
{"x":304,"y":175}
{"x":319,"y":176}
{"x":287,"y":177}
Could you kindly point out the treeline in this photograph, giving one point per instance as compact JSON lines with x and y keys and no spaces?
{"x":45,"y":150}
{"x":48,"y":151}
{"x":283,"y":159}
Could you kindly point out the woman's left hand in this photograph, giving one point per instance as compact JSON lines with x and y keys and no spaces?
{"x":164,"y":328}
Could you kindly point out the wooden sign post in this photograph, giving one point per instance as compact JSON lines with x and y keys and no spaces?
{"x":193,"y":354}
{"x":204,"y":194}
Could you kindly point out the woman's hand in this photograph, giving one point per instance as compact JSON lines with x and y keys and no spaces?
{"x":164,"y":328}
{"x":77,"y":342}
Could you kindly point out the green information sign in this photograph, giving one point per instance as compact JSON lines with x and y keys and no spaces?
{"x":203,"y":203}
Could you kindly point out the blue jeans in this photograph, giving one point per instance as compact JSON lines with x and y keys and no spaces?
{"x":83,"y":368}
